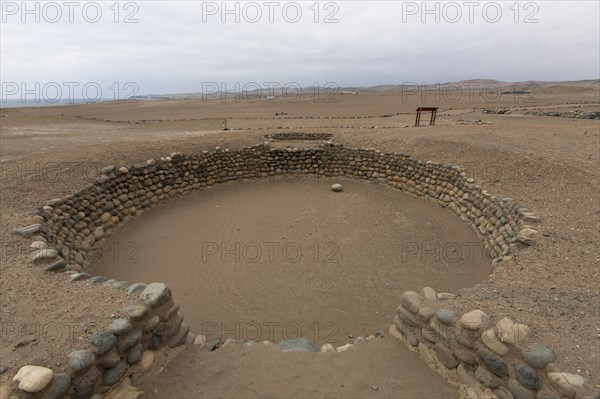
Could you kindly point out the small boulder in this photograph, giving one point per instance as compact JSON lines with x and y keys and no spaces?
{"x":33,"y":379}
{"x":81,"y":360}
{"x":156,"y":294}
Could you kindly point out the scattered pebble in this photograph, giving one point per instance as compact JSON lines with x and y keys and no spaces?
{"x":337,"y":188}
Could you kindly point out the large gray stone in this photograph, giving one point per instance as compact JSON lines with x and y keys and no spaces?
{"x":518,"y":390}
{"x":465,"y":376}
{"x":98,"y":279}
{"x":493,"y":363}
{"x":528,"y":377}
{"x":111,"y":283}
{"x":466,"y":338}
{"x":445,"y":356}
{"x":135,"y":288}
{"x":151,"y":324}
{"x":120,"y":326}
{"x":27,"y":230}
{"x":135,"y":354}
{"x":172,"y":326}
{"x":111,"y":376}
{"x":103,"y":341}
{"x":126,"y":343}
{"x":180,"y":337}
{"x":172,"y":311}
{"x":298,"y":345}
{"x":59,"y":385}
{"x":156,"y":294}
{"x":411,"y":301}
{"x":135,"y":312}
{"x":486,"y":378}
{"x":109,"y":360}
{"x":425,"y":313}
{"x":463,"y":354}
{"x":158,"y":337}
{"x":447,"y":316}
{"x":407,"y":317}
{"x":85,"y":385}
{"x":81,"y":360}
{"x":56,"y":266}
{"x":539,"y":355}
{"x":502,"y":393}
{"x":80,"y":276}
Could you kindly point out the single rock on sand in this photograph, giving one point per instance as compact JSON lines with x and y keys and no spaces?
{"x":336,"y":187}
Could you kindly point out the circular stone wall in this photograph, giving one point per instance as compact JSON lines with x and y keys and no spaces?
{"x":67,"y":232}
{"x":286,"y":257}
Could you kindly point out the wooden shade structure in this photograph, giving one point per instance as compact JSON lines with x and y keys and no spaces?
{"x":433,"y":111}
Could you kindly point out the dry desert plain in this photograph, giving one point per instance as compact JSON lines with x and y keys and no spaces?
{"x":549,"y":164}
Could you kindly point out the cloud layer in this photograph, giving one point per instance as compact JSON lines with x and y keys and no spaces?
{"x":177,"y":46}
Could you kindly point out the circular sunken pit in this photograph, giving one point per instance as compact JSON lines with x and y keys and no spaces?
{"x":280,"y":254}
{"x":285,"y":256}
{"x":277,"y":256}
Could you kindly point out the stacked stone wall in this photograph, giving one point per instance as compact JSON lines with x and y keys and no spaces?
{"x":66,"y":233}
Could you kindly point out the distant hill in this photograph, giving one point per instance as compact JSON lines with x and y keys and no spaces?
{"x":540,"y":86}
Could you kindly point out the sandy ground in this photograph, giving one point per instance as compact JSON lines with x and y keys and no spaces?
{"x":377,"y":370}
{"x":548,"y":164}
{"x":287,"y":257}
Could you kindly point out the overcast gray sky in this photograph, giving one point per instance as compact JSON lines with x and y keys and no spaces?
{"x":177,"y":46}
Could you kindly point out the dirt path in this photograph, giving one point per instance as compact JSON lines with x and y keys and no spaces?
{"x":379,"y":369}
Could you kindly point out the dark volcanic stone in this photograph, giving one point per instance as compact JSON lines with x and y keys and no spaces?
{"x":493,"y":363}
{"x":103,"y":341}
{"x":528,"y":377}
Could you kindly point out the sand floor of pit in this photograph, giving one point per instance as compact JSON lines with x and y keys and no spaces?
{"x":287,"y":257}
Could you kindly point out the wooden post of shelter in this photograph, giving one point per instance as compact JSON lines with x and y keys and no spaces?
{"x":433,"y":111}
